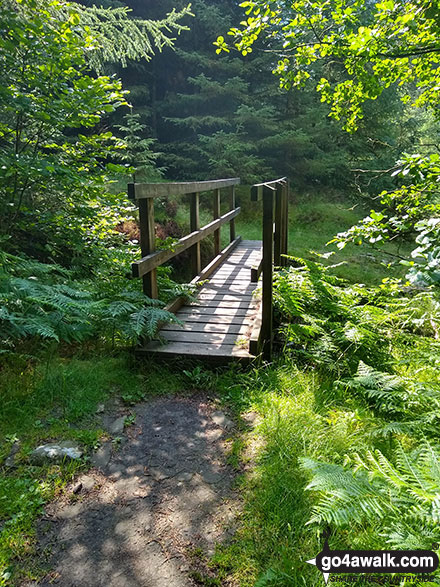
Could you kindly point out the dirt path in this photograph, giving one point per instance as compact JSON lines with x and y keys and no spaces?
{"x":164,"y":493}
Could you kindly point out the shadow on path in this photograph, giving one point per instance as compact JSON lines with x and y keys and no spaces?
{"x":165,"y":492}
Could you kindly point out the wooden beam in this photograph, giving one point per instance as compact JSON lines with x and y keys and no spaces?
{"x":256,"y":272}
{"x":232,"y":207}
{"x":149,"y":262}
{"x":216,"y":214}
{"x":212,"y":266}
{"x":258,"y":188}
{"x":267,"y":316}
{"x":148,"y":245}
{"x":139,"y":191}
{"x":194,"y":222}
{"x":279,"y":225}
{"x":255,"y":338}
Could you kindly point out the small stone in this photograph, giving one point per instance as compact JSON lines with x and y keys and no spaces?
{"x":117,"y":427}
{"x":77,"y":488}
{"x":210,"y":476}
{"x":158,"y":475}
{"x":87,"y":482}
{"x":100,"y":409}
{"x":56,"y":452}
{"x":11,"y":458}
{"x":101,"y":457}
{"x":221,"y":419}
{"x":184,"y":476}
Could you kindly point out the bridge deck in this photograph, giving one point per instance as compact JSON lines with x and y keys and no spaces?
{"x":219,"y":325}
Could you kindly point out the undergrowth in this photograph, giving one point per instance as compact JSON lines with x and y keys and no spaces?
{"x":347,"y":438}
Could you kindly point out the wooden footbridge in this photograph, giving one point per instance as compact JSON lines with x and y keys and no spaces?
{"x":232,"y":317}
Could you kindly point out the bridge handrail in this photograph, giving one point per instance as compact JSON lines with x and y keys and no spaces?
{"x":144,"y":194}
{"x":274,"y":194}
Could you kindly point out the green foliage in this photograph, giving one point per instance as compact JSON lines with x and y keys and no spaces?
{"x":119,"y":37}
{"x":328,"y":323}
{"x":43,"y":301}
{"x":379,"y":44}
{"x":52,"y":153}
{"x":401,"y":497}
{"x":138,"y":155}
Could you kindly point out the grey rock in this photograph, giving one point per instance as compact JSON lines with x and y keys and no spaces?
{"x":117,"y":427}
{"x":184,"y":476}
{"x":210,"y":476}
{"x":56,"y":452}
{"x":87,"y":482}
{"x":77,"y":488}
{"x":10,"y":460}
{"x":221,"y":419}
{"x":101,"y":457}
{"x":100,"y":409}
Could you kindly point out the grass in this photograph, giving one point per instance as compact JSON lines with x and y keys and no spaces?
{"x":313,"y":222}
{"x":56,"y":400}
{"x":299,"y":414}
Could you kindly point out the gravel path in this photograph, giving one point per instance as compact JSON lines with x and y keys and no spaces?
{"x":164,"y":493}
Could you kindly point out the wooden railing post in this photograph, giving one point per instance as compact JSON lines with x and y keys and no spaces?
{"x":267,"y":314}
{"x":232,"y":207}
{"x":216,"y":214}
{"x":278,"y":237}
{"x":286,"y":221}
{"x":196,"y":262}
{"x":148,"y":244}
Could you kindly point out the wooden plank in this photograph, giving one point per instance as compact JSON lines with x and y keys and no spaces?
{"x":202,"y":310}
{"x":209,"y":327}
{"x":216,"y":214}
{"x":194,"y":222}
{"x":255,"y":336}
{"x":219,"y":338}
{"x":175,"y":305}
{"x":148,"y":245}
{"x":212,"y":266}
{"x":138,"y":191}
{"x":188,"y":315}
{"x":215,"y":304}
{"x":211,"y":293}
{"x":149,"y":262}
{"x":256,"y":272}
{"x":196,"y":350}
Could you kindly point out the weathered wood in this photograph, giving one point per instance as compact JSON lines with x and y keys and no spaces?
{"x":175,"y":305}
{"x":149,"y":262}
{"x":278,"y":233}
{"x":212,"y":266}
{"x":216,"y":214}
{"x":257,"y":190}
{"x":139,"y":191}
{"x":286,"y":222}
{"x":200,"y":337}
{"x":148,"y":245}
{"x":192,"y":350}
{"x":227,"y":328}
{"x":255,"y":337}
{"x":217,"y":304}
{"x":256,"y":272}
{"x":189,"y":317}
{"x":267,"y":317}
{"x":194,"y":222}
{"x":219,"y":311}
{"x":232,"y":207}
